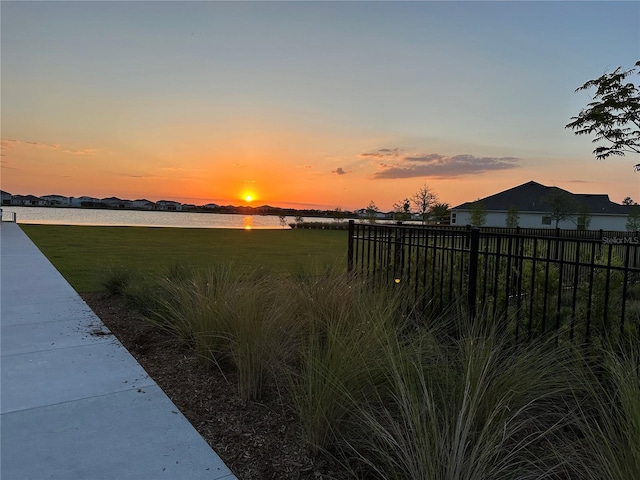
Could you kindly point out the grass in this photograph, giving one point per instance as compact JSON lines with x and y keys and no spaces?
{"x":84,"y":253}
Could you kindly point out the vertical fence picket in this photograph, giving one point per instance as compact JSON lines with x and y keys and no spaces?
{"x":607,"y":289}
{"x":625,"y":280}
{"x":474,"y":247}
{"x":574,"y":297}
{"x":533,"y":285}
{"x":452,"y":254}
{"x":590,"y":292}
{"x":350,"y":247}
{"x":558,"y":312}
{"x":545,"y":288}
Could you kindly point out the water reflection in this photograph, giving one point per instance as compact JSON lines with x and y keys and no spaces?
{"x":247,"y":222}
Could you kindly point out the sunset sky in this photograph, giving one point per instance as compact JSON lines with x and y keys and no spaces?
{"x":306,"y":104}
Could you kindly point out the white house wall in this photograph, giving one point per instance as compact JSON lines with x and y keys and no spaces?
{"x":609,"y":222}
{"x":534,"y":220}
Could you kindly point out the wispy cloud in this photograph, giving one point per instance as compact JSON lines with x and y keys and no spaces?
{"x":137,"y":175}
{"x":436,"y":165}
{"x":63,"y":149}
{"x":11,"y":142}
{"x":382,"y":153}
{"x":339,"y":171}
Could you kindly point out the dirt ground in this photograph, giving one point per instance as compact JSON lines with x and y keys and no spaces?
{"x":256,"y":440}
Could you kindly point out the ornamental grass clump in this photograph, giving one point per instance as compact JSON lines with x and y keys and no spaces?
{"x":235,"y":319}
{"x":191,"y":304}
{"x":342,"y":359}
{"x":262,"y":331}
{"x":138,"y":292}
{"x":116,"y":280}
{"x":471,"y":407}
{"x":609,"y":415}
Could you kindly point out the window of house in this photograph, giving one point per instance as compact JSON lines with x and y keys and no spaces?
{"x":546,"y":219}
{"x":453,"y":218}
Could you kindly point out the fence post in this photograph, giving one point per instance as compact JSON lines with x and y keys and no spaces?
{"x":350,"y":246}
{"x":474,"y":248}
{"x":398,"y":246}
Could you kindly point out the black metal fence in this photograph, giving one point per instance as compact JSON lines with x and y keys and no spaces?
{"x":577,"y":287}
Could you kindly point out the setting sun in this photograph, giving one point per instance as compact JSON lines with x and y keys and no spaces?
{"x":248,"y":198}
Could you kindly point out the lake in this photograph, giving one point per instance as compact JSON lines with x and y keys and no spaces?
{"x":136,"y":218}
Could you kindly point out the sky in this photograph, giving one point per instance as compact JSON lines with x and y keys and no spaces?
{"x":306,"y":104}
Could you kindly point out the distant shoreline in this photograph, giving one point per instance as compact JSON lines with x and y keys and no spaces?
{"x":264,"y":210}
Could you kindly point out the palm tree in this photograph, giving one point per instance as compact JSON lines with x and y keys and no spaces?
{"x":441,"y":212}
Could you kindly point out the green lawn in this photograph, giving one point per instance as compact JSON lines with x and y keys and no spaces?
{"x":83,"y":254}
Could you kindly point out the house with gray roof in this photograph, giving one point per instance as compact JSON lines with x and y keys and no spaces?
{"x":5,"y":197}
{"x":115,"y":202}
{"x":532,"y":202}
{"x":169,"y":205}
{"x":57,"y":200}
{"x":144,"y":204}
{"x":27,"y":201}
{"x":84,"y":201}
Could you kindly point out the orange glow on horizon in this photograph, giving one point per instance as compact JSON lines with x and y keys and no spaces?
{"x":266,"y":176}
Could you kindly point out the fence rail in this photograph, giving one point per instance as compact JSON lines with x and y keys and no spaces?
{"x":579,"y":286}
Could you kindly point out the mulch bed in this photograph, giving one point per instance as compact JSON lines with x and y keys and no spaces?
{"x":256,"y":440}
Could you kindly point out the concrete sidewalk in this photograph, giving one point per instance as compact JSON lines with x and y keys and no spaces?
{"x":74,"y":403}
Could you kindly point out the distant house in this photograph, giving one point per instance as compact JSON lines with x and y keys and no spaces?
{"x":84,"y":201}
{"x":27,"y":201}
{"x":169,"y":205}
{"x":5,"y":198}
{"x":115,"y":202}
{"x":531,"y":202}
{"x":144,"y":204}
{"x":211,"y":206}
{"x":365,"y":213}
{"x":57,"y":200}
